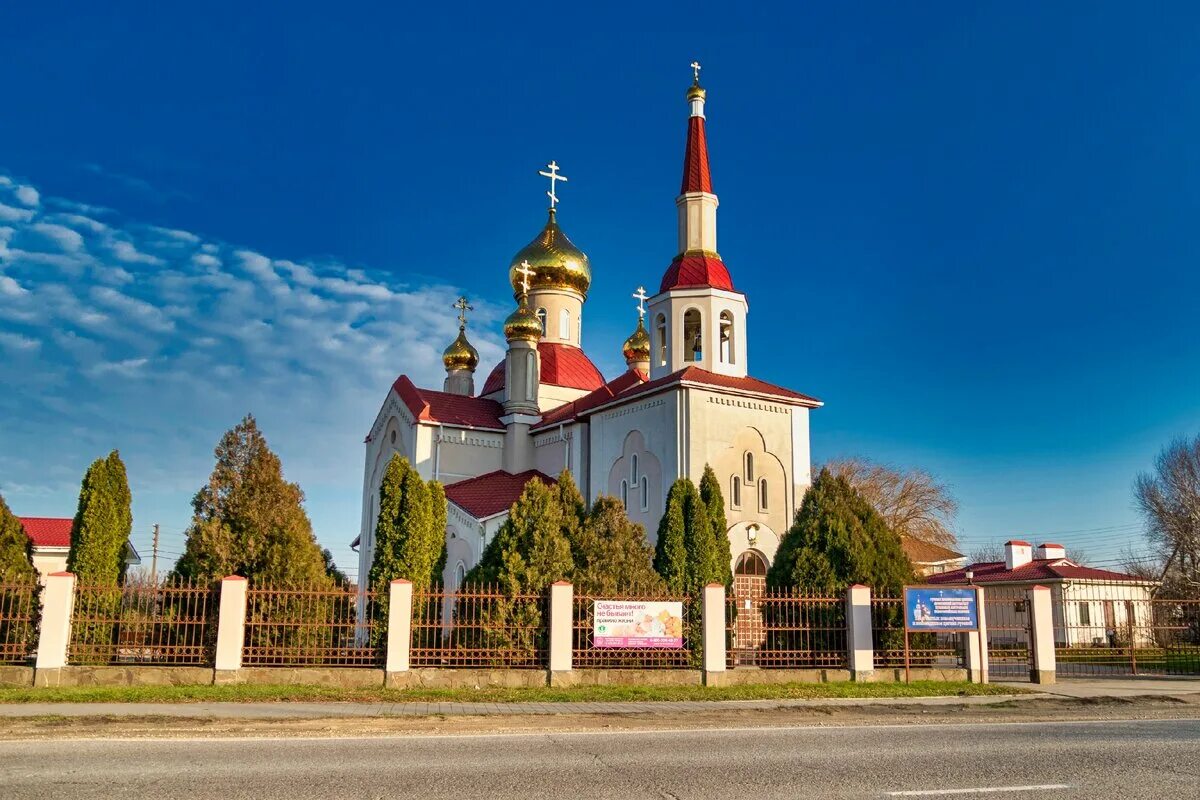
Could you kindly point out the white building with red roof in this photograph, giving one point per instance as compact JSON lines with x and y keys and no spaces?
{"x":685,"y":401}
{"x":50,"y":542}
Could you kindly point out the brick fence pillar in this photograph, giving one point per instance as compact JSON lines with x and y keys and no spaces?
{"x":399,"y":630}
{"x":54,"y":633}
{"x":562,"y":602}
{"x":977,"y":655}
{"x":1043,"y":668}
{"x":860,"y":645}
{"x":712,"y":620}
{"x":231,"y":629}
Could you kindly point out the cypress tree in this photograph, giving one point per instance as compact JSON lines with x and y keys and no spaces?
{"x":410,"y":534}
{"x":611,"y":554}
{"x":714,"y":501}
{"x":837,"y":540}
{"x":16,"y":551}
{"x":249,"y":521}
{"x":702,"y":567}
{"x":575,"y":510}
{"x":102,"y":524}
{"x":670,"y":551}
{"x":530,"y":551}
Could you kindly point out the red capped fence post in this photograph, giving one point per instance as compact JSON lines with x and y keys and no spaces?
{"x":712,"y":621}
{"x":399,"y":630}
{"x":860,"y":646}
{"x":54,"y":635}
{"x":1043,"y":666}
{"x":562,"y":609}
{"x":976,"y":643}
{"x":231,"y":629}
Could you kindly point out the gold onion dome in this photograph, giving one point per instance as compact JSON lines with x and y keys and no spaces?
{"x":523,"y":323}
{"x":694,"y":92}
{"x":556,"y":262}
{"x":637,"y":346}
{"x":460,"y":354}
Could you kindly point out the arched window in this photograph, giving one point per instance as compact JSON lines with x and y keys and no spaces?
{"x":531,"y":376}
{"x":625,"y":494}
{"x":762,"y":495}
{"x":749,"y":468}
{"x":750,"y":562}
{"x":460,"y":575}
{"x":726,"y":337}
{"x":645,"y":491}
{"x":693,"y":336}
{"x":541,"y":315}
{"x":660,"y":330}
{"x":633,"y":468}
{"x":564,"y":324}
{"x":735,"y":492}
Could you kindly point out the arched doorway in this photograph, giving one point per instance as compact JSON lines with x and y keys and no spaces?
{"x":749,"y":585}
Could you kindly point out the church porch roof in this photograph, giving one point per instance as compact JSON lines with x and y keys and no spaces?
{"x":427,"y":405}
{"x":492,"y":493}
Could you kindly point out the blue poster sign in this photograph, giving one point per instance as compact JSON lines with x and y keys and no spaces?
{"x":936,"y":609}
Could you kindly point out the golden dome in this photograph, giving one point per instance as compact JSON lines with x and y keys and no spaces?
{"x":460,"y":354}
{"x":694,"y":92}
{"x":557,"y":263}
{"x":523,"y":323}
{"x":637,"y":346}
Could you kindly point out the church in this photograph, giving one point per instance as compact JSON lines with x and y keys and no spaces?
{"x":686,"y":399}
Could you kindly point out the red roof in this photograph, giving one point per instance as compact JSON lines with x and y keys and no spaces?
{"x":696,"y":175}
{"x":48,"y":531}
{"x":691,"y":270}
{"x":448,"y":409}
{"x":562,"y":365}
{"x":1039,"y":569}
{"x":569,"y":412}
{"x":702,"y":377}
{"x":492,"y":493}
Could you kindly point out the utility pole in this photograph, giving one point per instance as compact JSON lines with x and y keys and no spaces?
{"x":154,"y":558}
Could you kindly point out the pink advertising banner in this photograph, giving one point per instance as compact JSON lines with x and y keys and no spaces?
{"x":637,"y":623}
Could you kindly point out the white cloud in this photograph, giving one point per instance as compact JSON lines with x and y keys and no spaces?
{"x":11,"y":288}
{"x":15,"y":342}
{"x":27,"y":195}
{"x":10,"y":214}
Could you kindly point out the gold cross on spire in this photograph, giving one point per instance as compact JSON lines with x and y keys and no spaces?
{"x":554,"y":177}
{"x":695,"y":65}
{"x":463,"y":307}
{"x":525,"y":271}
{"x":641,"y":296}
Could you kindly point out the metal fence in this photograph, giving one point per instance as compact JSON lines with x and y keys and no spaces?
{"x":18,"y":621}
{"x":1114,"y":629}
{"x":784,"y":629}
{"x":1008,"y":632}
{"x":585,"y":654}
{"x":310,"y":627}
{"x":479,"y":626}
{"x":168,"y":623}
{"x":925,"y":650}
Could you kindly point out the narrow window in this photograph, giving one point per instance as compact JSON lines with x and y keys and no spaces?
{"x":1085,"y":614}
{"x":460,"y":575}
{"x":693,"y":336}
{"x":564,"y":324}
{"x":661,"y":331}
{"x":735,"y":492}
{"x":762,"y":494}
{"x":633,"y":471}
{"x":726,"y":337}
{"x":541,"y":315}
{"x":645,"y":489}
{"x":749,"y":468}
{"x":625,"y":494}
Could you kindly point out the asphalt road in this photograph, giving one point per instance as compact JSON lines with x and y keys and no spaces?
{"x":1110,"y":759}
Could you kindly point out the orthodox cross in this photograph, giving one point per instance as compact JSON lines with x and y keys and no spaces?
{"x":554,"y":177}
{"x":641,"y":296}
{"x":463,"y":307}
{"x":695,"y":65}
{"x":525,"y":271}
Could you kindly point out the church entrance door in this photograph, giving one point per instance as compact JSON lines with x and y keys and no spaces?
{"x":749,"y":586}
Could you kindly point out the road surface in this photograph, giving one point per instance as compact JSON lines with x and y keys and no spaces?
{"x":1097,"y":759}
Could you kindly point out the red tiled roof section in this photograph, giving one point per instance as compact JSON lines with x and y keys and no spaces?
{"x":48,"y":531}
{"x":1040,"y":569}
{"x":696,"y":175}
{"x":694,"y":271}
{"x":569,"y":412}
{"x":561,"y":366}
{"x":920,"y":551}
{"x":448,"y":409}
{"x":492,"y":493}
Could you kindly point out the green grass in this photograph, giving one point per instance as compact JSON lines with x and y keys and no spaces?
{"x":250,"y":693}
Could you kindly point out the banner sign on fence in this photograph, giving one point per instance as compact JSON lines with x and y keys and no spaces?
{"x":637,"y":623}
{"x":929,"y":609}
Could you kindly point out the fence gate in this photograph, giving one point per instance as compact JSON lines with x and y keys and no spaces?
{"x":1008,"y":633}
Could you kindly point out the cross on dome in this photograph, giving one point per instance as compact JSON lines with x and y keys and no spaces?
{"x":641,"y":296}
{"x":695,"y":65}
{"x":463,"y":307}
{"x":525,"y":271}
{"x":554,"y":177}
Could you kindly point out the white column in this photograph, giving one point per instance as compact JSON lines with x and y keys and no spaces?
{"x":562,"y":601}
{"x":860,"y":645}
{"x":231,"y":624}
{"x":1041,"y":635}
{"x":54,"y":634}
{"x":712,"y":619}
{"x":977,"y":657}
{"x":399,"y":630}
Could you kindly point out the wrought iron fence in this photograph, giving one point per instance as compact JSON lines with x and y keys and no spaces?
{"x":173,"y":622}
{"x":317,"y":626}
{"x":925,"y":650}
{"x":18,"y":621}
{"x":785,"y":629}
{"x":1007,"y":614}
{"x":586,"y":655}
{"x":479,"y":626}
{"x":1120,"y":629}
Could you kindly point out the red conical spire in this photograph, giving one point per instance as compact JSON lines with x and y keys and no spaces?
{"x":696,"y":175}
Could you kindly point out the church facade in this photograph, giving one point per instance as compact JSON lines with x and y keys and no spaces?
{"x":686,"y":399}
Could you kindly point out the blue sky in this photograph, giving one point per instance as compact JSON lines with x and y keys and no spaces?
{"x":971,"y":231}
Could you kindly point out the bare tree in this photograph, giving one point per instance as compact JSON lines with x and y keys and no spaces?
{"x":992,"y":551}
{"x":912,"y":501}
{"x":1169,"y":499}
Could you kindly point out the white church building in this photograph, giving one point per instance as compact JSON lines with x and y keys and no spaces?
{"x":686,"y":400}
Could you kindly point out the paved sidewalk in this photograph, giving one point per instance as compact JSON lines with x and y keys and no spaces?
{"x":288,"y":710}
{"x":1114,"y":687}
